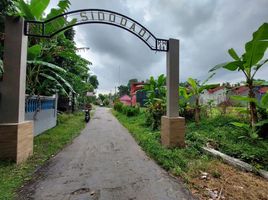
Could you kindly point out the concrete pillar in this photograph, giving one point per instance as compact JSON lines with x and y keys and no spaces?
{"x":16,"y":135}
{"x":173,"y":126}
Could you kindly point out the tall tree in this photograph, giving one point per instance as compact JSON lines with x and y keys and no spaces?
{"x":54,"y":64}
{"x":94,"y":81}
{"x":134,"y":80}
{"x":123,"y":89}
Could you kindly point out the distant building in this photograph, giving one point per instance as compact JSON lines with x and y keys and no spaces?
{"x":217,"y":95}
{"x":137,"y":94}
{"x":240,"y":90}
{"x":261,"y":91}
{"x":223,"y":94}
{"x":126,"y":100}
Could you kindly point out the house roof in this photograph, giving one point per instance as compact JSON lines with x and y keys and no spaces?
{"x":240,"y":89}
{"x":263,"y":90}
{"x":211,"y":91}
{"x":125,"y":98}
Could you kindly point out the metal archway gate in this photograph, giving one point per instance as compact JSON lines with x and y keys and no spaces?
{"x":16,"y":134}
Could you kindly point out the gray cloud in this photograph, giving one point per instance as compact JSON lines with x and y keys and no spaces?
{"x":206,"y":29}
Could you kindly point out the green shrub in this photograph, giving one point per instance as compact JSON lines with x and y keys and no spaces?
{"x":118,"y":106}
{"x":263,"y":115}
{"x":106,"y":102}
{"x":130,"y":110}
{"x":187,"y":113}
{"x":154,"y":113}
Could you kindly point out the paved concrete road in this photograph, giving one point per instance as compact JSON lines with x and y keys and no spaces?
{"x":104,"y":163}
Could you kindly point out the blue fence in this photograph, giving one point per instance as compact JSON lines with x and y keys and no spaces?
{"x":42,"y":110}
{"x":36,"y":103}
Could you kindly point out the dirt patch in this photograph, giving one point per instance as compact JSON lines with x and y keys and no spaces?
{"x":221,"y":181}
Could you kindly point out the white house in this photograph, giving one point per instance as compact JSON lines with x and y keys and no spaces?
{"x":216,"y":95}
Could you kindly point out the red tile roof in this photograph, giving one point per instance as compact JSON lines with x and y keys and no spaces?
{"x":240,"y":89}
{"x":215,"y":89}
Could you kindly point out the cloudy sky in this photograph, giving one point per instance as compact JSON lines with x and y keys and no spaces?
{"x":206,"y":30}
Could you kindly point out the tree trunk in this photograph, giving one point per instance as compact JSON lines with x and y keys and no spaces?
{"x":197,"y":111}
{"x":252,"y":106}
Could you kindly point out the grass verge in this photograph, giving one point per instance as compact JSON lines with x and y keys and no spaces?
{"x":175,"y":160}
{"x":190,"y":163}
{"x":46,"y":145}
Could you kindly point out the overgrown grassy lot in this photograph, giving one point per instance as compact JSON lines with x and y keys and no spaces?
{"x":220,"y":134}
{"x":46,"y":145}
{"x":190,"y":162}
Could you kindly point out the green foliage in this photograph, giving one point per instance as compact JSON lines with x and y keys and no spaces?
{"x":93,"y":80}
{"x":122,"y":90}
{"x":227,"y":138}
{"x":34,"y":52}
{"x":118,"y":106}
{"x":195,"y":90}
{"x":249,"y":63}
{"x":264,"y":101}
{"x":102,"y":97}
{"x":130,"y":110}
{"x":106,"y":102}
{"x":243,"y":98}
{"x":54,"y":64}
{"x":256,"y":48}
{"x":155,"y":89}
{"x":7,"y":8}
{"x":252,"y":133}
{"x":38,"y":7}
{"x":14,"y":176}
{"x":257,"y":129}
{"x":156,"y":101}
{"x":184,"y":107}
{"x":177,"y":161}
{"x":39,"y":69}
{"x":154,"y":113}
{"x":24,"y":10}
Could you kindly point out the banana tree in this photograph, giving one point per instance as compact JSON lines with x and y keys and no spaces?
{"x":249,"y":63}
{"x":254,"y":131}
{"x":184,"y":98}
{"x":40,"y":73}
{"x":35,"y":9}
{"x":156,"y":100}
{"x":156,"y":89}
{"x":196,"y":90}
